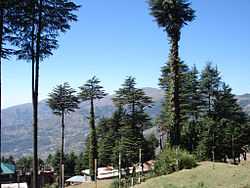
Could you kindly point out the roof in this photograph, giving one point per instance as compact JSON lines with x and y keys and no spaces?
{"x":110,"y":172}
{"x":15,"y":185}
{"x":76,"y":179}
{"x":8,"y":168}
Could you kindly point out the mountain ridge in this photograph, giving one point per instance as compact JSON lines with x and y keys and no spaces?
{"x":17,"y":124}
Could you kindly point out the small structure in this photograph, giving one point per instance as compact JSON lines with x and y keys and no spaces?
{"x":15,"y":185}
{"x":109,"y":172}
{"x":8,"y":174}
{"x":77,"y":179}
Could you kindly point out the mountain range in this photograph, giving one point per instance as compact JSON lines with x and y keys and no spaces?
{"x":17,"y":125}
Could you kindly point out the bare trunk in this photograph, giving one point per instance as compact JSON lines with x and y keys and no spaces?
{"x":35,"y":101}
{"x":93,"y":142}
{"x":1,"y":44}
{"x":62,"y":154}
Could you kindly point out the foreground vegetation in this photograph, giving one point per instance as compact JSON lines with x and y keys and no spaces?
{"x":222,"y":175}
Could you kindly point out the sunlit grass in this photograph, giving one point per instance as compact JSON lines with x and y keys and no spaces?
{"x":222,"y":176}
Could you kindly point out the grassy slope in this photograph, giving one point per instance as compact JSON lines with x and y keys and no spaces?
{"x":101,"y":184}
{"x":223,"y":176}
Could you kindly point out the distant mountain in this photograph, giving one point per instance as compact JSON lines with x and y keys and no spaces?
{"x":244,"y":101}
{"x":17,"y":125}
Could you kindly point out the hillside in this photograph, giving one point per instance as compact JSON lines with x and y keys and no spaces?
{"x":244,"y":101}
{"x":204,"y":176}
{"x":17,"y":125}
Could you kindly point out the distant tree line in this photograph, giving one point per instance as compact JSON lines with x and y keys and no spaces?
{"x":120,"y":134}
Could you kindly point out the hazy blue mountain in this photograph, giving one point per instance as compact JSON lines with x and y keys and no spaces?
{"x":17,"y":124}
{"x":244,"y":101}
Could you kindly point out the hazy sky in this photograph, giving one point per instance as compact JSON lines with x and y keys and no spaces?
{"x":117,"y":38}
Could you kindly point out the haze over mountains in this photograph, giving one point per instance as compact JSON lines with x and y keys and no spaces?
{"x":17,"y":125}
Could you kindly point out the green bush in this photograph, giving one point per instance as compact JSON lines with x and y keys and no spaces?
{"x":186,"y":161}
{"x":166,"y":162}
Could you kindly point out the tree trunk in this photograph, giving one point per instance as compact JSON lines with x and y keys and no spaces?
{"x":1,"y":44}
{"x":62,"y":154}
{"x":233,"y":152}
{"x":35,"y":100}
{"x":93,"y":142}
{"x":175,"y":78}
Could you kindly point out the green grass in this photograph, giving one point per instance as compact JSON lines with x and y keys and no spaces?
{"x":204,"y":176}
{"x":100,"y":184}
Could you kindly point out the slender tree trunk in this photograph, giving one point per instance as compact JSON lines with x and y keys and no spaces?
{"x":62,"y":154}
{"x":233,"y":152}
{"x":175,"y":101}
{"x":93,"y":142}
{"x":1,"y":48}
{"x":35,"y":101}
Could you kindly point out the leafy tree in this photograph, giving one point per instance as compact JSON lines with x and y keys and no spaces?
{"x":24,"y":163}
{"x":210,"y":83}
{"x":62,"y":100}
{"x":134,"y":101}
{"x":165,"y":83}
{"x":192,"y":109}
{"x":223,"y":131}
{"x":49,"y":160}
{"x":109,"y":135}
{"x":89,"y":92}
{"x":106,"y":142}
{"x":80,"y":164}
{"x":70,"y":164}
{"x":7,"y":20}
{"x":56,"y":162}
{"x":42,"y":21}
{"x":231,"y":118}
{"x":172,"y":15}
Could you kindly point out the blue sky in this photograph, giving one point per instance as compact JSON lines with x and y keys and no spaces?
{"x":117,"y":38}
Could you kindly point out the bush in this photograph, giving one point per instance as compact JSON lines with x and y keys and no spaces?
{"x":167,"y":163}
{"x":186,"y":161}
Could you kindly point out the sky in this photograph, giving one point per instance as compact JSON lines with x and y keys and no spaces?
{"x":114,"y":39}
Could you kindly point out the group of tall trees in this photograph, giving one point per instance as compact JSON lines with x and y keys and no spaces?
{"x":199,"y":112}
{"x":211,"y":120}
{"x":32,"y":28}
{"x":63,"y":100}
{"x":122,"y":133}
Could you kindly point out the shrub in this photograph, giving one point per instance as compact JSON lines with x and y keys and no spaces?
{"x":167,"y":163}
{"x":186,"y":161}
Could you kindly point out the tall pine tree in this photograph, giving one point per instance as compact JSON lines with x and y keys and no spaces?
{"x":91,"y":91}
{"x":41,"y":23}
{"x":62,"y":100}
{"x":173,"y":15}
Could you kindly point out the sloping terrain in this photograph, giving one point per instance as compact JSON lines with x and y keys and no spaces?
{"x":204,"y":176}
